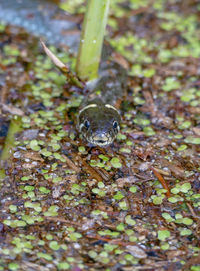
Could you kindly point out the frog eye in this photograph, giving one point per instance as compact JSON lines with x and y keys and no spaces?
{"x":115,"y":124}
{"x":87,"y":124}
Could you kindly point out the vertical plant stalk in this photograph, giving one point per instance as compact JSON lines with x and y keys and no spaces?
{"x":15,"y":127}
{"x":91,"y":42}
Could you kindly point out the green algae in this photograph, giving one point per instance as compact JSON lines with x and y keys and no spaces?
{"x":163,"y":235}
{"x":38,"y":185}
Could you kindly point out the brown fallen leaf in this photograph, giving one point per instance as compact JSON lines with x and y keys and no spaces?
{"x":12,"y":109}
{"x":162,"y":181}
{"x":33,"y":156}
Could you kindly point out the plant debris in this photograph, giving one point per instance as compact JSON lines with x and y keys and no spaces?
{"x":133,"y":206}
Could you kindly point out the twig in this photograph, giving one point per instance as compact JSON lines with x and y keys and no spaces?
{"x":72,"y":165}
{"x":112,"y":241}
{"x":191,"y":210}
{"x":63,"y":68}
{"x":62,"y":220}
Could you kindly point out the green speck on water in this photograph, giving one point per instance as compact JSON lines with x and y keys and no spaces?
{"x":185,"y":187}
{"x":109,"y":247}
{"x":133,"y":189}
{"x":125,"y":150}
{"x":165,"y":246}
{"x":14,"y":223}
{"x":62,"y":134}
{"x":118,"y":196}
{"x":149,"y":72}
{"x":101,"y":185}
{"x":184,"y":125}
{"x":129,"y":220}
{"x":163,"y":235}
{"x":175,"y":199}
{"x":109,"y":233}
{"x":13,"y":208}
{"x":61,"y":108}
{"x":49,"y":237}
{"x":100,"y":164}
{"x":128,"y":257}
{"x":175,"y":190}
{"x":2,"y":27}
{"x":167,"y":217}
{"x":28,"y":219}
{"x":76,"y":6}
{"x":93,"y":163}
{"x":29,"y":188}
{"x":52,"y":211}
{"x":13,"y":266}
{"x":99,"y":192}
{"x":82,"y":149}
{"x":170,"y":83}
{"x":188,"y":95}
{"x":148,"y":131}
{"x":103,"y":157}
{"x":195,"y":268}
{"x":44,"y":190}
{"x":129,"y":232}
{"x":34,"y":145}
{"x":29,"y":194}
{"x":123,"y":205}
{"x":26,"y":119}
{"x":182,"y":147}
{"x":178,"y":136}
{"x":112,"y":23}
{"x":157,"y":200}
{"x":70,"y":229}
{"x":192,"y":140}
{"x":185,"y":232}
{"x":121,"y":136}
{"x":11,"y":51}
{"x":45,"y":152}
{"x":54,"y":245}
{"x":136,"y":70}
{"x":115,"y":162}
{"x":25,"y":178}
{"x":140,"y":120}
{"x":59,"y":157}
{"x":30,"y":237}
{"x":35,"y":205}
{"x":178,"y":217}
{"x":139,"y":101}
{"x":92,"y":254}
{"x":75,"y":236}
{"x":167,"y":25}
{"x":57,"y":179}
{"x":129,"y":143}
{"x":44,"y":256}
{"x":187,"y":221}
{"x":120,"y":227}
{"x":54,"y":166}
{"x":47,"y":103}
{"x":63,"y":266}
{"x":55,"y":146}
{"x":194,"y":103}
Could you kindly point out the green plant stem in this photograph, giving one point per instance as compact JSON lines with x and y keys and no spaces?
{"x":15,"y":127}
{"x":92,"y":39}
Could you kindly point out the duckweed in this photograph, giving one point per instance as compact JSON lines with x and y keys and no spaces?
{"x":115,"y":162}
{"x":163,"y":235}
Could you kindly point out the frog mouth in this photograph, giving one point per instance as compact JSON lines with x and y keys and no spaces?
{"x":101,"y":139}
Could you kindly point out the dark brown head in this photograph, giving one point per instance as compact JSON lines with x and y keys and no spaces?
{"x":99,"y":124}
